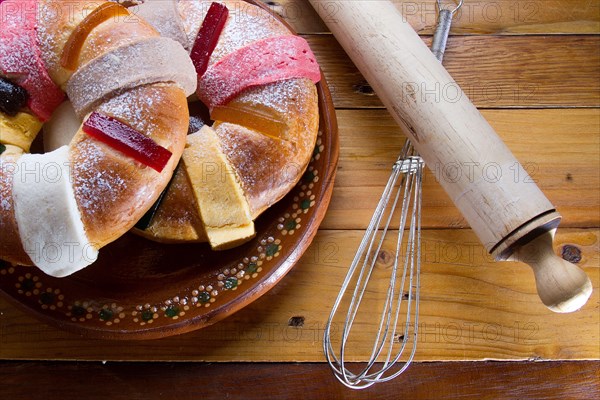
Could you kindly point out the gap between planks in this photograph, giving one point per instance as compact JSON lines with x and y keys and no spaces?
{"x":493,"y":71}
{"x":559,"y":149}
{"x":500,"y":17}
{"x":472,"y":309}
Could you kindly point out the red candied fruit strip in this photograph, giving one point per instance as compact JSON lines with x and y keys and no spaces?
{"x":21,"y":59}
{"x":208,"y":36}
{"x":265,"y":61}
{"x":127,"y":140}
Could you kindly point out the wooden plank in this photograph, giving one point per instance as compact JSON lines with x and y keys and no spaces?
{"x":493,"y":71}
{"x":140,"y":381}
{"x":499,"y":17}
{"x":559,"y":147}
{"x":471,"y":309}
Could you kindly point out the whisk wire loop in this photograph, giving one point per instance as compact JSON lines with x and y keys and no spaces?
{"x":404,"y":185}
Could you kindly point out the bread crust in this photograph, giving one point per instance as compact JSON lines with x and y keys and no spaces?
{"x":267,"y":168}
{"x":112,"y":190}
{"x":10,"y":242}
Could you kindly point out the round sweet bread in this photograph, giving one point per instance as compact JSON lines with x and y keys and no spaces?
{"x":262,"y":137}
{"x":128,"y":84}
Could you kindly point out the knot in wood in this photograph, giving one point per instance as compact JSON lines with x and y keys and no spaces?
{"x":297,"y":321}
{"x":363,"y":88}
{"x":384,"y":259}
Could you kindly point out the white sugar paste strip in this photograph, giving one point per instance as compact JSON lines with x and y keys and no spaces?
{"x":61,"y":128}
{"x":153,"y":60}
{"x":47,"y":215}
{"x":164,"y":16}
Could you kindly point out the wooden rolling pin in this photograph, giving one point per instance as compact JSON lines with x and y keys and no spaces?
{"x":509,"y":213}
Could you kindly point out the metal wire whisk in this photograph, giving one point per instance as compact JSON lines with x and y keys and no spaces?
{"x":395,"y":336}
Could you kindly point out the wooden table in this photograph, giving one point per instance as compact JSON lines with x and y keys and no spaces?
{"x":533,"y":67}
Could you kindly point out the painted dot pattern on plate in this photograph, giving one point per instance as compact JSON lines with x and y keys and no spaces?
{"x":29,"y":282}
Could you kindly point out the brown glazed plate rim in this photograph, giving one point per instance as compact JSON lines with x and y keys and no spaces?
{"x":139,"y":289}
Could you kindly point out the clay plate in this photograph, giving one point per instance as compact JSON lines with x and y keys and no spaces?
{"x":139,"y":289}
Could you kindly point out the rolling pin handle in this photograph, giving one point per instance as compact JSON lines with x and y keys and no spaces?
{"x":378,"y":40}
{"x":563,"y":287}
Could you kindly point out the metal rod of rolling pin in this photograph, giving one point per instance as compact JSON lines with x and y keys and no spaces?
{"x":511,"y":217}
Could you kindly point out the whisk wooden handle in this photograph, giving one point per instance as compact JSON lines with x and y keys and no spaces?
{"x":489,"y":186}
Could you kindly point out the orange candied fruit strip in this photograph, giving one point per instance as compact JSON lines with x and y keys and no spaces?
{"x":250,"y":116}
{"x":72,"y":50}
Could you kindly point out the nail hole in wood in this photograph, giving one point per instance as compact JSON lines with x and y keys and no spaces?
{"x":297,"y":322}
{"x":571,"y":253}
{"x":569,"y":178}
